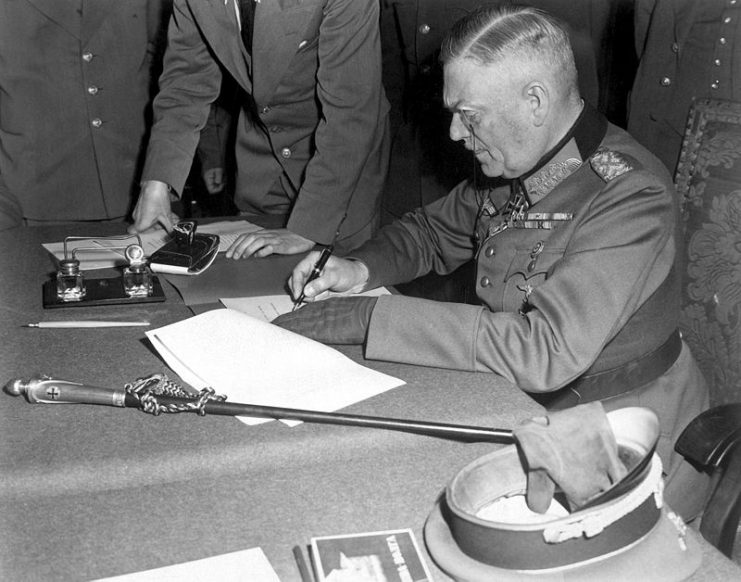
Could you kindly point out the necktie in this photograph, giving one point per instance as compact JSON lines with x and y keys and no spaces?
{"x":247,"y":18}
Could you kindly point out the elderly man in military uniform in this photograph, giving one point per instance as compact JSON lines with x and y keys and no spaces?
{"x":574,"y":239}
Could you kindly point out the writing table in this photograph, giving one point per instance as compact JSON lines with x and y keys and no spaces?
{"x":93,"y":491}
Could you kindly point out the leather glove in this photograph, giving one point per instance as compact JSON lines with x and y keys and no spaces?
{"x":340,"y":320}
{"x":574,"y":449}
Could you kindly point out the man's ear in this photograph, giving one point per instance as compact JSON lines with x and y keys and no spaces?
{"x":538,"y":100}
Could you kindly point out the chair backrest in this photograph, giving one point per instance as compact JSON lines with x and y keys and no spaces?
{"x":708,"y":181}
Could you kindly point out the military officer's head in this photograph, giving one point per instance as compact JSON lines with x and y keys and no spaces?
{"x":511,"y":84}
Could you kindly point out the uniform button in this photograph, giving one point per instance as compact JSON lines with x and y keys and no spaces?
{"x":722,"y":40}
{"x":92,"y":90}
{"x":716,"y":62}
{"x":675,"y":47}
{"x":275,"y":129}
{"x":265,"y":109}
{"x":87,"y":56}
{"x":715,"y":84}
{"x":425,"y":69}
{"x":97,"y":122}
{"x":424,"y":29}
{"x":666,"y":81}
{"x":286,"y":152}
{"x":485,"y":281}
{"x":489,"y":252}
{"x":726,"y":20}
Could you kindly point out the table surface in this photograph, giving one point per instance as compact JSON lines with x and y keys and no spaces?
{"x":93,"y":491}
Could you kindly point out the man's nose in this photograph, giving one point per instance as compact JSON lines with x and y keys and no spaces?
{"x":458,"y":129}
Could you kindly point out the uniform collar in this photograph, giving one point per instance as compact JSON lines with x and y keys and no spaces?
{"x":579,"y":143}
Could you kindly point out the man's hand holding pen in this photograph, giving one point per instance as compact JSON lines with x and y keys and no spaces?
{"x":338,"y":275}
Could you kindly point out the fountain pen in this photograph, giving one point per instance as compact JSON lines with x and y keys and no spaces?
{"x":315,"y":272}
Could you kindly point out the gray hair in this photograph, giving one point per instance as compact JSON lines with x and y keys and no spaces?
{"x":490,"y":34}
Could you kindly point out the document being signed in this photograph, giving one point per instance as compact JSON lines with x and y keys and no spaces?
{"x":268,"y":307}
{"x":252,"y":361}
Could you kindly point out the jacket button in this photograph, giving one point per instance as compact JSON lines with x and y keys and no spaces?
{"x":286,"y":152}
{"x":96,"y":122}
{"x":424,"y":29}
{"x":666,"y":81}
{"x":87,"y":56}
{"x":265,"y":109}
{"x":485,"y":281}
{"x":489,"y":252}
{"x":675,"y":47}
{"x":92,"y":90}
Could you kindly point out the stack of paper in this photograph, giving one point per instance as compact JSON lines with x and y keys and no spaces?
{"x":255,"y":362}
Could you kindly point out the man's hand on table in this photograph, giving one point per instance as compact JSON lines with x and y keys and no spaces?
{"x":153,"y":209}
{"x":266,"y":242}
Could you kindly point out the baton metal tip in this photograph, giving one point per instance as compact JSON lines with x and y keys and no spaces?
{"x":15,"y":387}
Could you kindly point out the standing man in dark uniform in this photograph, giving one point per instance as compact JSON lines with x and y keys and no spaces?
{"x":575,"y":248}
{"x":77,"y":79}
{"x":311,"y":139}
{"x":689,"y":50}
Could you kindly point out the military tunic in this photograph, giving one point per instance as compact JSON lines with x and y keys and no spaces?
{"x":76,"y":82}
{"x":580,"y":278}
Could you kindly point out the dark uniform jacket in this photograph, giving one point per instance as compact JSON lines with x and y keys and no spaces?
{"x":314,"y":109}
{"x":75,"y":91}
{"x":584,"y":280}
{"x":689,"y":50}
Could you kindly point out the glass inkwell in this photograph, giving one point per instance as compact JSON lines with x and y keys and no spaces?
{"x":70,"y":281}
{"x":137,"y":277}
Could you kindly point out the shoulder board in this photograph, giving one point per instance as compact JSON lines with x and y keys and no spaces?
{"x":609,"y":164}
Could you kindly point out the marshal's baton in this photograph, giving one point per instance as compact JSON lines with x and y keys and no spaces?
{"x":45,"y":390}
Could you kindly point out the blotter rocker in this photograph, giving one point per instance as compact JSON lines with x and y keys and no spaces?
{"x":188,"y":253}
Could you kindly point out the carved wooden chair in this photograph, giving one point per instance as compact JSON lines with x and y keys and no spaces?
{"x":708,"y":181}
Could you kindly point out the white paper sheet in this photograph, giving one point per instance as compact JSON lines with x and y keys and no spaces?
{"x":239,"y":566}
{"x":100,"y":258}
{"x":268,"y":307}
{"x":255,"y":362}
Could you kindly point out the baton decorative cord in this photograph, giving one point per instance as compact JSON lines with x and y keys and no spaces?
{"x":147,"y":389}
{"x":156,"y":394}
